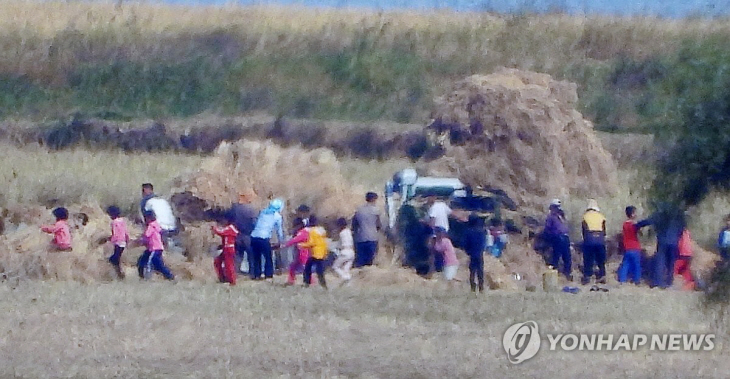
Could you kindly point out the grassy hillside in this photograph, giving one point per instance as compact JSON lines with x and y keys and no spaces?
{"x":148,"y":60}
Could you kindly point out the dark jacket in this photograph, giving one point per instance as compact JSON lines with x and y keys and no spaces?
{"x":474,"y":241}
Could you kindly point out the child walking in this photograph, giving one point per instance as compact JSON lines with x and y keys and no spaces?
{"x":60,"y":230}
{"x":119,"y":238}
{"x":224,"y":263}
{"x":346,"y":251}
{"x":301,"y":235}
{"x":317,"y":245}
{"x":631,"y":264}
{"x":152,"y":257}
{"x":443,"y":246}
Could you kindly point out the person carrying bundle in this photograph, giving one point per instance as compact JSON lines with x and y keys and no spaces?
{"x":60,"y":230}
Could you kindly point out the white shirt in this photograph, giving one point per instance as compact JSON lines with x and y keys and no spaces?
{"x":347,"y":243}
{"x":163,"y":212}
{"x":440,"y":212}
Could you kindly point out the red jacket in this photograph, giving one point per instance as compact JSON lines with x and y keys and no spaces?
{"x":631,"y":239}
{"x":228,"y":235}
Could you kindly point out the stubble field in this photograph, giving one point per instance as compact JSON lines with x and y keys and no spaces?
{"x":192,"y":330}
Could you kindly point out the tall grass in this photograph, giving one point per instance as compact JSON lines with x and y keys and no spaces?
{"x":35,"y":175}
{"x":149,"y":60}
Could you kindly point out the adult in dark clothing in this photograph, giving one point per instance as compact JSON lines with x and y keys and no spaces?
{"x":366,"y":226}
{"x":474,"y":241}
{"x":556,"y":232}
{"x":414,"y":233}
{"x":668,"y":222}
{"x":594,"y":243}
{"x":244,"y":218}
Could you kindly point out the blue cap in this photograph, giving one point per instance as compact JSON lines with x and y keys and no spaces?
{"x":440,"y":229}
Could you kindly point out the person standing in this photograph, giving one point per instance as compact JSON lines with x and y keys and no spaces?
{"x":443,"y":246}
{"x":594,"y":243}
{"x":631,"y":264}
{"x":163,"y":213}
{"x":438,"y":217}
{"x":345,"y":251}
{"x":244,"y":218}
{"x":224,"y":263}
{"x":669,"y":224}
{"x":268,"y":223}
{"x":301,"y":235}
{"x":366,"y":225}
{"x":317,"y":245}
{"x":556,"y":232}
{"x":475,"y":239}
{"x":119,"y":238}
{"x":684,"y":261}
{"x":151,"y":259}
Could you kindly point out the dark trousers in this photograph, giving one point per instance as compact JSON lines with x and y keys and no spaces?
{"x":260,"y":250}
{"x":438,"y":261}
{"x":594,"y":254}
{"x":318,"y":265}
{"x":116,"y":258}
{"x":664,"y":260}
{"x":365,"y":253}
{"x":152,"y":260}
{"x":476,"y":271}
{"x":561,"y":249}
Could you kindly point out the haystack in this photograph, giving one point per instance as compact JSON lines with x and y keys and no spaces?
{"x":520,"y":131}
{"x":25,"y":251}
{"x":299,"y":176}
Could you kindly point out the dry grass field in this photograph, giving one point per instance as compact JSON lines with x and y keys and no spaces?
{"x":192,"y":330}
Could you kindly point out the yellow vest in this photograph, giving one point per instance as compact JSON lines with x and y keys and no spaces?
{"x":317,"y":244}
{"x":594,"y":221}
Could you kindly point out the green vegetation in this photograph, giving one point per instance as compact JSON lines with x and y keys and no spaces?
{"x":144,"y":60}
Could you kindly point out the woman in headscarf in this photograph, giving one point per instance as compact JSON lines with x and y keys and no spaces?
{"x":268,"y":222}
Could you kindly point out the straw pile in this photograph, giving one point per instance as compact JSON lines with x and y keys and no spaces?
{"x":520,"y":131}
{"x":299,"y":176}
{"x":25,"y":250}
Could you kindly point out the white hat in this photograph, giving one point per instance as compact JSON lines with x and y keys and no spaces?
{"x":593,"y":205}
{"x":556,"y":202}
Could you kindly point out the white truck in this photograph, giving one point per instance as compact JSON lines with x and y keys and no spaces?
{"x":406,"y":185}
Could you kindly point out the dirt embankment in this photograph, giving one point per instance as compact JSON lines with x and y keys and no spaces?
{"x":203,"y":134}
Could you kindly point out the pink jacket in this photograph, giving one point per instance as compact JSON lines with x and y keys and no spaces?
{"x":445,"y":247}
{"x":120,"y":236}
{"x":153,"y":236}
{"x":299,"y":238}
{"x":61,"y":233}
